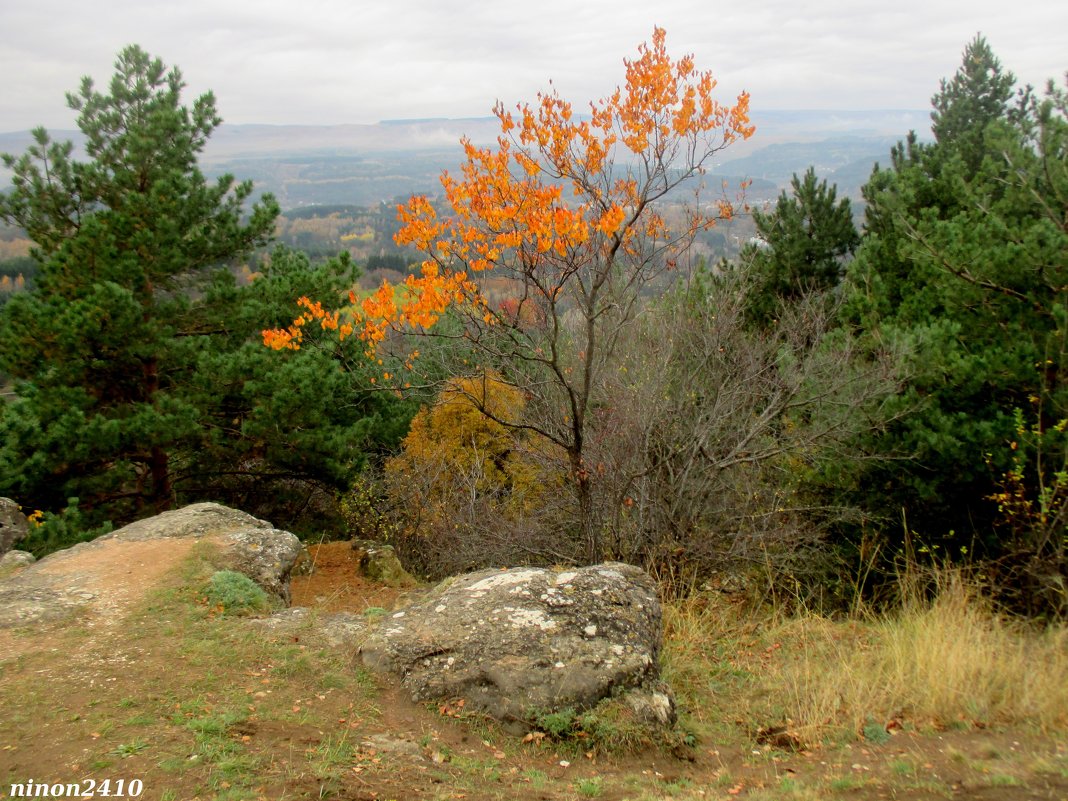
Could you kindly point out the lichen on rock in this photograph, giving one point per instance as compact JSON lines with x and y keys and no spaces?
{"x":520,"y":642}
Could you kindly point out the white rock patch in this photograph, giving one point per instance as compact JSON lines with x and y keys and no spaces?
{"x":530,"y":617}
{"x":503,"y":580}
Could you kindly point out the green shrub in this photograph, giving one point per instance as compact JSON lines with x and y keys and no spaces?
{"x":875,"y":732}
{"x":236,"y":594}
{"x":558,"y":725}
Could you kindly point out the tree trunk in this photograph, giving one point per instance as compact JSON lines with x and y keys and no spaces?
{"x":589,"y":528}
{"x":162,"y":491}
{"x":159,"y":460}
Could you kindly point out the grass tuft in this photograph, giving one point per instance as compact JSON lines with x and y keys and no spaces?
{"x":946,"y":662}
{"x":235,"y":593}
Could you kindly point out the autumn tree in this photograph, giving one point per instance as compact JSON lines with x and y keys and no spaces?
{"x":464,"y":484}
{"x":568,"y":207}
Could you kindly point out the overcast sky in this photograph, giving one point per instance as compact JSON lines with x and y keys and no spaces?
{"x":355,"y":61}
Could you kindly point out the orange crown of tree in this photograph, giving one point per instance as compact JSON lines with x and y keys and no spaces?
{"x":511,"y":205}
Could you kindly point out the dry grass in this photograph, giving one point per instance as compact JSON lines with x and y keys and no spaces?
{"x":946,"y":662}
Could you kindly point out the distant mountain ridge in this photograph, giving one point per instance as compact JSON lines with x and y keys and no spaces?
{"x":367,"y":164}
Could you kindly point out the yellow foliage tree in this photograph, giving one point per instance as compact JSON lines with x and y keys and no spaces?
{"x":464,"y":483}
{"x":453,"y":446}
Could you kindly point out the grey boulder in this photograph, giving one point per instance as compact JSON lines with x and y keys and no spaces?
{"x":379,"y":563}
{"x":12,"y":560}
{"x":13,"y":525}
{"x":249,"y":545}
{"x":522,"y":642}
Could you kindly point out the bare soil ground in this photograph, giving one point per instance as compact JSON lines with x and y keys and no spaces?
{"x":150,"y":683}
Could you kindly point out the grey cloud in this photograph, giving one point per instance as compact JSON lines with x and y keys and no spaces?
{"x":338,"y":61}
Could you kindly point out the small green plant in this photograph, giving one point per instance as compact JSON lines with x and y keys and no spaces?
{"x":875,"y":732}
{"x":610,"y":726}
{"x":125,"y":750}
{"x":331,"y":755}
{"x":235,"y":594}
{"x":675,"y":786}
{"x":902,"y":767}
{"x":1003,"y":780}
{"x":558,"y":725}
{"x":591,"y":787}
{"x":724,"y":778}
{"x":845,"y":783}
{"x":789,"y":784}
{"x":1054,"y":766}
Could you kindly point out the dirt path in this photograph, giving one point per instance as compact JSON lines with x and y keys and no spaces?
{"x":97,"y":583}
{"x":117,"y":573}
{"x":335,"y":585}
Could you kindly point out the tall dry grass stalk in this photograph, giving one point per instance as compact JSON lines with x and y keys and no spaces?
{"x":946,"y":661}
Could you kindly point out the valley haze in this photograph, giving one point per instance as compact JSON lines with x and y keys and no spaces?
{"x":367,"y":164}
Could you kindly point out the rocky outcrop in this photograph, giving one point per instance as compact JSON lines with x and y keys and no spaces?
{"x":336,"y":630}
{"x":251,"y":546}
{"x":379,"y":563}
{"x":13,"y":525}
{"x":13,"y":560}
{"x":522,"y":642}
{"x":107,"y":574}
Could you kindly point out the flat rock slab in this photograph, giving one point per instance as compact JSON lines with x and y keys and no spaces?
{"x":105,"y":576}
{"x":520,"y":642}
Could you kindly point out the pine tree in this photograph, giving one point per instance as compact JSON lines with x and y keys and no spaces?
{"x":281,"y":434}
{"x":121,"y":239}
{"x":808,"y":236}
{"x":965,"y":263}
{"x":969,"y":102}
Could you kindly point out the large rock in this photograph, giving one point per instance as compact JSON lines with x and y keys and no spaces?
{"x":13,"y":525}
{"x":338,"y":630}
{"x":13,"y":560}
{"x":521,"y":642}
{"x":107,"y":575}
{"x":251,"y":546}
{"x":379,"y":563}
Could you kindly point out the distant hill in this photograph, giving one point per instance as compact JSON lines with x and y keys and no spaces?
{"x":367,"y":164}
{"x":845,"y":161}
